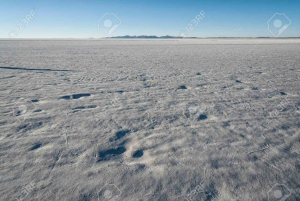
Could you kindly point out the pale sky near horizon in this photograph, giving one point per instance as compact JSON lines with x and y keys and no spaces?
{"x":105,"y":18}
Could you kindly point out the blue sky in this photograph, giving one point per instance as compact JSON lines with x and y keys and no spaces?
{"x":80,"y":19}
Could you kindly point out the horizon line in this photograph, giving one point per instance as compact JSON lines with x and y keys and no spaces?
{"x":159,"y":37}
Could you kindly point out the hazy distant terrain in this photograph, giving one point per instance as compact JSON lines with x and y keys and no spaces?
{"x":151,"y":120}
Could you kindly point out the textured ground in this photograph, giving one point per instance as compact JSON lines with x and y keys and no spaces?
{"x":150,"y":120}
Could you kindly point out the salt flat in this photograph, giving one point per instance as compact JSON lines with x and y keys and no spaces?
{"x":153,"y":120}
